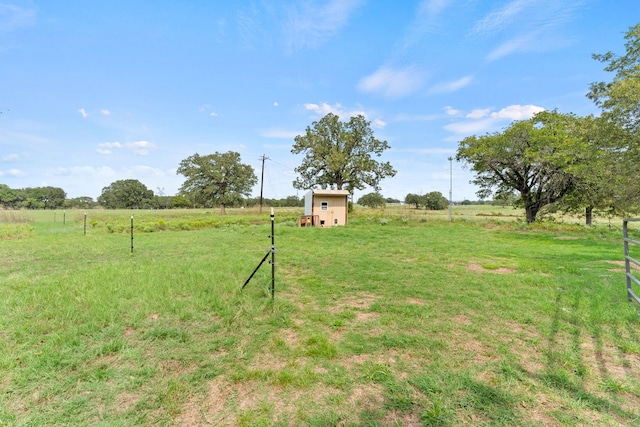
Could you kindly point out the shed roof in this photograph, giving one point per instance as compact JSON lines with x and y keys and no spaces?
{"x":331,"y":192}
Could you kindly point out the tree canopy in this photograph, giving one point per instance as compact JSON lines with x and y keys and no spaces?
{"x":620,"y":98}
{"x":217,"y":179}
{"x":126,"y":194}
{"x":372,"y":200}
{"x":340,"y":155}
{"x":530,"y":156}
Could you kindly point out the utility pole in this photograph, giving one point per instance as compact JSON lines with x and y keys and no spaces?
{"x":450,"y":188}
{"x":263,"y":158}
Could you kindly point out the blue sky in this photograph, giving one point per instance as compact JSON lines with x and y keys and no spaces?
{"x":94,"y":92}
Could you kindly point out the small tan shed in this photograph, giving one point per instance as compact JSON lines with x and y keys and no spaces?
{"x":326,"y":208}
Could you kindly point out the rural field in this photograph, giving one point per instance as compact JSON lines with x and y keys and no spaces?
{"x":400,"y":318}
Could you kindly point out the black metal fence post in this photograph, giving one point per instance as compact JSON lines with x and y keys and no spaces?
{"x":131,"y":233}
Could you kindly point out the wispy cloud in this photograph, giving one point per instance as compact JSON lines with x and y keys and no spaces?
{"x":452,"y":86}
{"x":140,"y":148}
{"x":478,"y":113}
{"x":426,"y":21}
{"x":13,"y":173}
{"x":13,"y":17}
{"x":13,"y":157}
{"x":83,"y":113}
{"x":530,"y":26}
{"x":105,"y":112}
{"x":392,"y":82}
{"x":311,"y":23}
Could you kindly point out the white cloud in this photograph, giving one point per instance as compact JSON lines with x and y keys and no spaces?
{"x":213,"y":114}
{"x":344,"y":113}
{"x":482,"y":120}
{"x":452,"y":111}
{"x":517,"y":112}
{"x":275,"y":104}
{"x":471,"y":127}
{"x":478,"y":113}
{"x":337,"y":109}
{"x":141,"y":148}
{"x":110,"y":145}
{"x":14,"y":173}
{"x":453,"y":86}
{"x":392,"y":83}
{"x":83,"y":113}
{"x":11,"y":158}
{"x":105,"y":112}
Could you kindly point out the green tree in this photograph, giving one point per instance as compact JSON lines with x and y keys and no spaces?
{"x":600,"y":169}
{"x":435,"y":201}
{"x":217,"y":179}
{"x":414,"y":199}
{"x":340,"y":154}
{"x":52,"y":197}
{"x":126,"y":193}
{"x":180,"y":202}
{"x":620,"y":98}
{"x":372,"y":200}
{"x":8,"y":198}
{"x":530,"y":156}
{"x":83,"y":202}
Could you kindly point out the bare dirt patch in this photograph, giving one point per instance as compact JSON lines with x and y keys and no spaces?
{"x":622,"y":263}
{"x":366,"y":316}
{"x":416,"y":301}
{"x":477,"y":268}
{"x":461,"y":319}
{"x":125,"y":401}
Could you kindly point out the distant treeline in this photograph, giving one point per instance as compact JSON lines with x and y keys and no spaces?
{"x":56,"y":198}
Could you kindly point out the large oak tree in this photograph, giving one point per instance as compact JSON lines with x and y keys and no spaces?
{"x":217,"y":179}
{"x":340,"y":155}
{"x":530,"y":156}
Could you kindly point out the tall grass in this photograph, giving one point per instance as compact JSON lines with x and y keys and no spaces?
{"x":387,"y":321}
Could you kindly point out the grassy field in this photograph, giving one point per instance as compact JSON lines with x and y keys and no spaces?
{"x":398,"y":319}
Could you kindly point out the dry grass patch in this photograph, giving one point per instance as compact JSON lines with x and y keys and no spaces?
{"x":477,"y":268}
{"x":621,"y":263}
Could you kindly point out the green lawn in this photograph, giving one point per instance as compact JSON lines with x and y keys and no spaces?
{"x":397,"y":319}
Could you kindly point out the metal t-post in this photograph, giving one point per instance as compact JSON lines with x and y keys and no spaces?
{"x":273,"y":256}
{"x":271,"y":251}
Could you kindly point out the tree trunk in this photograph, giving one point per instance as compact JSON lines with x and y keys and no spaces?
{"x":589,"y":215}
{"x":222,"y":210}
{"x":531,"y":212}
